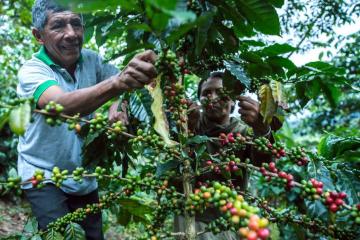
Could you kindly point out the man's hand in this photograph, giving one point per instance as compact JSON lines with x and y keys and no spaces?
{"x":139,"y":72}
{"x":250,"y":114}
{"x":115,"y":115}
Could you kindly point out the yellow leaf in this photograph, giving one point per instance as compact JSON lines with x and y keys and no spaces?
{"x":278,"y":94}
{"x":161,"y":124}
{"x":267,"y":103}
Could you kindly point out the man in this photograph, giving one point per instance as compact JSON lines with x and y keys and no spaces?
{"x":213,"y":121}
{"x":81,"y":82}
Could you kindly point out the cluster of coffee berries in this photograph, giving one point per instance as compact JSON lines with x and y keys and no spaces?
{"x":80,"y":214}
{"x":74,"y":124}
{"x":266,"y":168}
{"x":334,"y":200}
{"x":168,"y":66}
{"x":231,"y":138}
{"x":78,"y":174}
{"x":355,"y":213}
{"x":271,"y":167}
{"x":13,"y":182}
{"x":54,"y":109}
{"x":209,"y":101}
{"x":38,"y":178}
{"x":147,"y":139}
{"x":59,"y":176}
{"x":18,"y":101}
{"x":98,"y":122}
{"x":312,"y":189}
{"x":116,"y":128}
{"x":177,"y":102}
{"x":264,"y":145}
{"x":237,"y":211}
{"x":298,"y":156}
{"x":99,"y":172}
{"x":218,"y":225}
{"x":256,"y":228}
{"x":277,"y":149}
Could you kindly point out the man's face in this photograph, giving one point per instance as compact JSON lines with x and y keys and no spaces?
{"x":63,"y":37}
{"x":211,"y":88}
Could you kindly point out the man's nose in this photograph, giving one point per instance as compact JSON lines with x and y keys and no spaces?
{"x":212,"y":95}
{"x":70,"y":31}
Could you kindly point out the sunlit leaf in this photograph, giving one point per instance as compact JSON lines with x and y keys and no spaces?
{"x":278,"y":94}
{"x":161,"y":124}
{"x":20,"y":118}
{"x":267,"y":103}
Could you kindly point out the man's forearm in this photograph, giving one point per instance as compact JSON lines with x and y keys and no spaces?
{"x":87,"y":100}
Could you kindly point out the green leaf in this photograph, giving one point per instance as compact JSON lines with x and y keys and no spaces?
{"x":198,"y":139}
{"x":331,"y":92}
{"x":74,"y":231}
{"x":13,"y":173}
{"x":274,"y":230}
{"x":163,"y":168}
{"x":236,"y":71}
{"x":230,"y":40}
{"x":31,"y":226}
{"x":331,"y":146}
{"x":20,"y":118}
{"x":36,"y":237}
{"x":349,"y":182}
{"x":93,"y":5}
{"x":261,"y":14}
{"x":241,"y":26}
{"x":281,"y":62}
{"x":53,"y":235}
{"x":251,"y":57}
{"x":140,"y":105}
{"x":300,"y":93}
{"x":201,"y":34}
{"x":4,"y":118}
{"x":139,"y":207}
{"x":267,"y":103}
{"x":276,"y":3}
{"x":276,"y":49}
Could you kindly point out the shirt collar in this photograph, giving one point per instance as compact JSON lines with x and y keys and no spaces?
{"x":43,"y":56}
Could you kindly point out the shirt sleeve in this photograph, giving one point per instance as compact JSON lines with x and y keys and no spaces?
{"x":34,"y":79}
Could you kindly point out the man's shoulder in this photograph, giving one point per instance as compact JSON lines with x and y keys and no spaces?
{"x":33,"y":65}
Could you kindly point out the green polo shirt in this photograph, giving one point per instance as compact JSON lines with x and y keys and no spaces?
{"x":42,"y":146}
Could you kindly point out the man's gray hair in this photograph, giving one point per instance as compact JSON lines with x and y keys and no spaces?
{"x":40,"y":10}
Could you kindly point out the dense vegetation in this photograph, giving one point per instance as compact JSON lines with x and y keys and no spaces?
{"x":306,"y":192}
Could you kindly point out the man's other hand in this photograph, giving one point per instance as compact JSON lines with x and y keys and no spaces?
{"x":250,"y":114}
{"x":119,"y":115}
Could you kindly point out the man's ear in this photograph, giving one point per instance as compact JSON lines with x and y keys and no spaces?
{"x":37,"y":35}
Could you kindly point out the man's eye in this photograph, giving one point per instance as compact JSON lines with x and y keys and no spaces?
{"x":76,"y":23}
{"x":57,"y":25}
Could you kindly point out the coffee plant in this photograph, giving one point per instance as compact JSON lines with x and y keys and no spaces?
{"x":299,"y":194}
